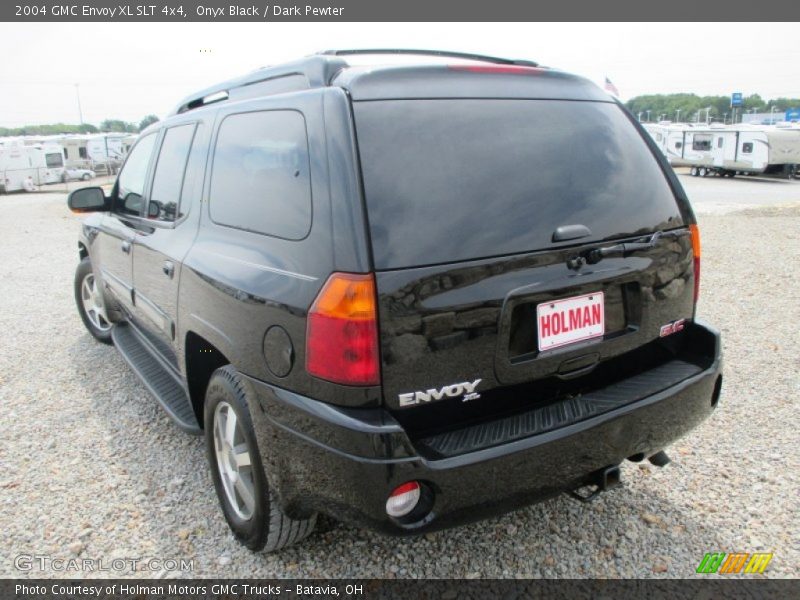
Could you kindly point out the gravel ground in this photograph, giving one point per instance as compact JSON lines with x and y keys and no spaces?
{"x":91,"y":467}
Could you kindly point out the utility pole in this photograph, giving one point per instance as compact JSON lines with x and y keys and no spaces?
{"x":78,"y":94}
{"x":678,"y":115}
{"x":648,"y":116}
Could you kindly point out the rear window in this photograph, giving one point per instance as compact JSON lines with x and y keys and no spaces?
{"x":451,"y":180}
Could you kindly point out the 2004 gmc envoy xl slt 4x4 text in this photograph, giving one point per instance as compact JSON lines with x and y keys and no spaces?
{"x":406,"y":296}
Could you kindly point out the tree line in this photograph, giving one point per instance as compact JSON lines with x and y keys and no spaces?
{"x":107,"y":126}
{"x":691,"y":107}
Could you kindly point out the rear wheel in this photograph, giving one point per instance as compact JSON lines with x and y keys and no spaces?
{"x":702,"y":171}
{"x":250,"y":507}
{"x":86,"y":177}
{"x":91,"y":306}
{"x":693,"y":171}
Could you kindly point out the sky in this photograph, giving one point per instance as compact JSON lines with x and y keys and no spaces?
{"x":128,"y":70}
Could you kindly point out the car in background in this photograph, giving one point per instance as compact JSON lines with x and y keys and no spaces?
{"x":77,"y":174}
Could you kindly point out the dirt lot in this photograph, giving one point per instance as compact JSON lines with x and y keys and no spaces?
{"x":91,"y":467}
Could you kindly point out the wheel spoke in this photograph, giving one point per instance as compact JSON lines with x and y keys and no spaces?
{"x":230,"y":427}
{"x":245,"y":493}
{"x":219,"y":433}
{"x":241,"y":455}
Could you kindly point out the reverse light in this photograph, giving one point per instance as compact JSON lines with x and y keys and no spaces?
{"x":403,"y":499}
{"x":342,"y":334}
{"x":695,"y":232}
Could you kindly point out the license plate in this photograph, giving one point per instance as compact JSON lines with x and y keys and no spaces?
{"x":563,"y":322}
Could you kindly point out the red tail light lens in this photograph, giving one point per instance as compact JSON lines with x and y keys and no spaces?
{"x":696,"y":252}
{"x":342,"y":335}
{"x":403,"y":499}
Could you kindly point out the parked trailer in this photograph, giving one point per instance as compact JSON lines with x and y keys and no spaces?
{"x":728,"y":151}
{"x":48,"y":162}
{"x":42,"y":163}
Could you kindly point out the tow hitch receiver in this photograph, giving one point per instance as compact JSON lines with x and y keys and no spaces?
{"x":603,"y":480}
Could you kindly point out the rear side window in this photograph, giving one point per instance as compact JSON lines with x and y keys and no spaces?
{"x":169,"y":173}
{"x":450,"y":180}
{"x":747,"y":148}
{"x":260,"y":178}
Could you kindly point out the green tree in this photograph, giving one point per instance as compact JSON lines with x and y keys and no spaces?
{"x":147,"y":121}
{"x":691,"y":107}
{"x":117,"y":125}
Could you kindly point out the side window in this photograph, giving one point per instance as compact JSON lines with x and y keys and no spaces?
{"x":701,"y":142}
{"x":82,"y":152}
{"x":54,"y":159}
{"x":66,"y":153}
{"x":679,"y":145}
{"x":130,"y":185}
{"x":719,"y":142}
{"x":170,"y":168}
{"x":260,"y":178}
{"x":747,"y":148}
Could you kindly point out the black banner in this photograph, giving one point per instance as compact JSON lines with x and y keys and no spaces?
{"x":376,"y":589}
{"x":407,"y":10}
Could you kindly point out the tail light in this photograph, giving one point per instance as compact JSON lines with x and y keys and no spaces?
{"x":696,"y":253}
{"x":403,"y":499}
{"x":342,"y":335}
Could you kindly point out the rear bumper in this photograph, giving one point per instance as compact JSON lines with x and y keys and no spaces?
{"x":344,"y":462}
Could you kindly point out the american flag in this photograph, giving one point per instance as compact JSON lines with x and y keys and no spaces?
{"x":610,"y":87}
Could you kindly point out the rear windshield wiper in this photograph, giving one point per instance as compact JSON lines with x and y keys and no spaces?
{"x":598,"y":254}
{"x":594,"y":256}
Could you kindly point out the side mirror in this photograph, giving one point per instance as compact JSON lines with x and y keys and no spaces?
{"x":84,"y":200}
{"x":154,"y":209}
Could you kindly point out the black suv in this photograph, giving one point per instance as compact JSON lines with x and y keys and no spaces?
{"x":406,"y":296}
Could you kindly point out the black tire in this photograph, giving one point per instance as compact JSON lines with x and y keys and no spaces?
{"x":86,"y":177}
{"x":103,"y":331}
{"x":268,"y":528}
{"x":702,"y":172}
{"x":693,"y":171}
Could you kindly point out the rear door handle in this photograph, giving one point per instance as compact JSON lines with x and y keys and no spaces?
{"x":169,"y":268}
{"x":126,"y":247}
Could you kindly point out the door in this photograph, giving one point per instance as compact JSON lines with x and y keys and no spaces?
{"x":499,"y":269}
{"x":165,"y":235}
{"x":114,"y":245}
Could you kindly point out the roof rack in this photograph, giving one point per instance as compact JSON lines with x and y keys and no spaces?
{"x":440,"y":53}
{"x":311,"y":72}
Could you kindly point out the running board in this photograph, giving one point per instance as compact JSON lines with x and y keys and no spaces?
{"x":162,"y":382}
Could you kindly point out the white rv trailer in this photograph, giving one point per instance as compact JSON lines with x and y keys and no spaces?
{"x":48,"y":161}
{"x":43,"y":163}
{"x":683,"y":144}
{"x":730,"y":150}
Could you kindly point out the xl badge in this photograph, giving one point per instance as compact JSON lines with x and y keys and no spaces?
{"x":673,"y":327}
{"x":465,"y":389}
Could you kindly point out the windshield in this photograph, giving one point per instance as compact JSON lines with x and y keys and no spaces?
{"x":452,"y":180}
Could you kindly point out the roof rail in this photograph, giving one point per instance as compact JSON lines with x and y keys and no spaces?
{"x":440,"y":53}
{"x":311,"y":72}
